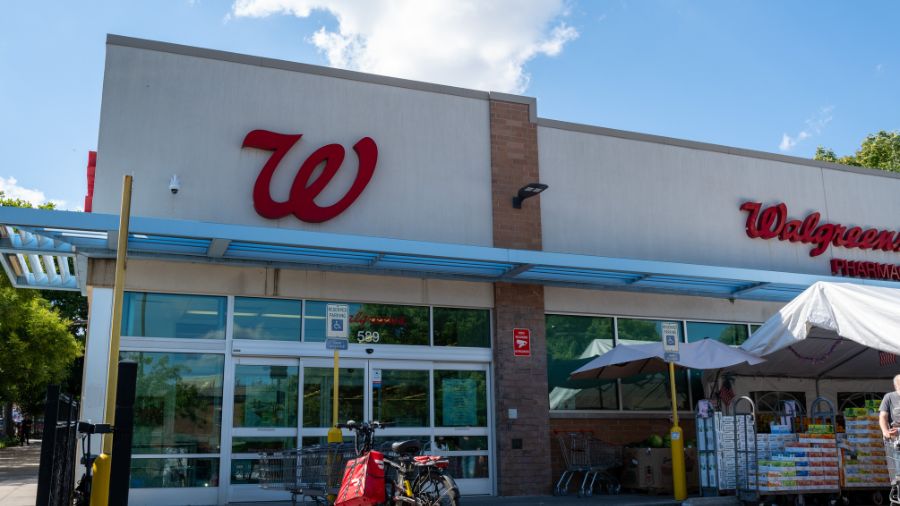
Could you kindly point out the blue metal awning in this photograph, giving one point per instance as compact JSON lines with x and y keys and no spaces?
{"x":49,"y":250}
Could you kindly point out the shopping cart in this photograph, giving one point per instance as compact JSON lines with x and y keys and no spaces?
{"x":605,"y":460}
{"x":892,"y":452}
{"x":312,"y":473}
{"x":593,"y":458}
{"x":576,"y":456}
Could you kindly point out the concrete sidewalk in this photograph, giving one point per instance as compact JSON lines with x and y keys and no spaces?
{"x":19,"y":474}
{"x":572,"y":500}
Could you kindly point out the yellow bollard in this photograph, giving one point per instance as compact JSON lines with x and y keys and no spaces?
{"x":100,"y":480}
{"x":334,"y":434}
{"x":679,"y":477}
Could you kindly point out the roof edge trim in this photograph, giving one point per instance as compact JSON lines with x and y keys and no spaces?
{"x":306,"y":68}
{"x":705,"y":146}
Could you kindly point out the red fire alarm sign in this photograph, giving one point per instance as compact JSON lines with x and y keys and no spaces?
{"x":522,"y":342}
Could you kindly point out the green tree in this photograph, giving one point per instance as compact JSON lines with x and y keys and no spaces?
{"x":38,"y":343}
{"x":878,"y":151}
{"x":37,"y":347}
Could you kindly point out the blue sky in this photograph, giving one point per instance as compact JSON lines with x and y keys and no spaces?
{"x":768,"y":75}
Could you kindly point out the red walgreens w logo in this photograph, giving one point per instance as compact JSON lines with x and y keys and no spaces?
{"x":301,"y":201}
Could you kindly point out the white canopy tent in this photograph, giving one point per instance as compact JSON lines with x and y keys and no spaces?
{"x":830,"y":331}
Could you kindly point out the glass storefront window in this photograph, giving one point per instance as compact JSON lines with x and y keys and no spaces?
{"x":373,"y":324}
{"x":460,"y":443}
{"x":733,"y":334}
{"x":271,"y":319}
{"x":245,"y":471}
{"x":321,"y":440}
{"x":265,"y":396}
{"x":262,"y":444}
{"x":573,"y":341}
{"x":178,"y":404}
{"x":173,"y":315}
{"x":649,"y":391}
{"x":402,"y":398}
{"x":462,"y":327}
{"x":460,"y":398}
{"x":174,"y":472}
{"x":468,"y":466}
{"x":318,"y":386}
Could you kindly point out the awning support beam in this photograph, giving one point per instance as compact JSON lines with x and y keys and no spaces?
{"x":515,"y":271}
{"x":747,"y":289}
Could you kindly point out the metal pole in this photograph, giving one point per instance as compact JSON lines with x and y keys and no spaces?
{"x":120,"y":476}
{"x":100,"y":489}
{"x":679,"y":477}
{"x":334,"y":434}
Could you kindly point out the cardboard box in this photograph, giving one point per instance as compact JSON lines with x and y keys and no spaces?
{"x":651,"y":469}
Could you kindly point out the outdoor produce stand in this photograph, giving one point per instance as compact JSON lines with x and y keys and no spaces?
{"x":836,"y":332}
{"x":864,"y":465}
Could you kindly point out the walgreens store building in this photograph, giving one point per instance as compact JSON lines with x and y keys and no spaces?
{"x":300,"y":186}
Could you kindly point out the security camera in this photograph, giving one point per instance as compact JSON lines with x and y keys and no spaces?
{"x":370,"y":351}
{"x":174,"y":185}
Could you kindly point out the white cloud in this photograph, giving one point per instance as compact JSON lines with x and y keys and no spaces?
{"x":482,"y":45}
{"x":814,"y":126}
{"x":11,"y":189}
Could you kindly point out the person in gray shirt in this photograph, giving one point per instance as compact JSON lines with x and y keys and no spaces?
{"x":889,"y":412}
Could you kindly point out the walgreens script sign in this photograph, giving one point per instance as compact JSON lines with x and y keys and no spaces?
{"x":301,"y":201}
{"x":773,"y":222}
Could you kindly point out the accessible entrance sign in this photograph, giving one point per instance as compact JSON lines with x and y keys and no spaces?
{"x":670,"y":341}
{"x":337,"y":329}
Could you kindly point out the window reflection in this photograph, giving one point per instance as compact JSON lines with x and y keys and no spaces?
{"x":173,"y":315}
{"x":265,"y":396}
{"x":402,"y":398}
{"x":271,"y":319}
{"x":373,"y":324}
{"x":178,"y":403}
{"x":245,"y":471}
{"x":649,"y":391}
{"x":460,"y":398}
{"x":174,"y":473}
{"x":573,"y":341}
{"x":318,"y":387}
{"x":462,"y":327}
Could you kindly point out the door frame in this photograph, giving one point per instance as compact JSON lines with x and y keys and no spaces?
{"x":253,"y":492}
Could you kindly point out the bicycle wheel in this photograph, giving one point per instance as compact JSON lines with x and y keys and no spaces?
{"x":436,"y":489}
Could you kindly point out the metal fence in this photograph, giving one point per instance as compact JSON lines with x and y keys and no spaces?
{"x":56,"y":477}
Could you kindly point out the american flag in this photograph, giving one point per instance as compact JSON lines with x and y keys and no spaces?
{"x":885,"y":358}
{"x":726,"y":394}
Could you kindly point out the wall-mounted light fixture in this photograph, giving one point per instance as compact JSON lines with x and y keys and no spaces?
{"x":529,"y":190}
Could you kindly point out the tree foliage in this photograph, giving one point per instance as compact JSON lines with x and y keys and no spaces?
{"x":38,"y":344}
{"x":37,"y":347}
{"x":878,"y":151}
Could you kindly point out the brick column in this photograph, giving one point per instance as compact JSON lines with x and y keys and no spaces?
{"x":520,"y":383}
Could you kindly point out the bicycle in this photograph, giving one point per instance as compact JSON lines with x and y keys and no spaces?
{"x":82,"y":494}
{"x":417,"y":479}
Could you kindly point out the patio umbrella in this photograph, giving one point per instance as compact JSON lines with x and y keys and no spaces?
{"x":624,"y":361}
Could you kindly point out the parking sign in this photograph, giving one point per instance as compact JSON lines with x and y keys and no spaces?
{"x":338,"y":318}
{"x":670,"y":337}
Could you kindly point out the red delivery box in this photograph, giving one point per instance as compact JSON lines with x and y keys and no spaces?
{"x":363,"y":483}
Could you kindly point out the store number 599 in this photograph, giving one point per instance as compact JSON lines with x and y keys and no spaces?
{"x":367,"y":336}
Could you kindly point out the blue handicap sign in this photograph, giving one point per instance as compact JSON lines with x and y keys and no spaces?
{"x":337,"y":325}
